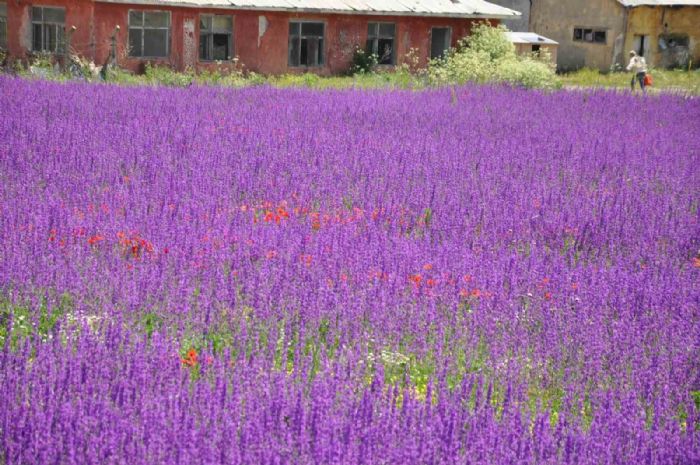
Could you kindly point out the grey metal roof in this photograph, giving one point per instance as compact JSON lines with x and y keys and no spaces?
{"x":529,"y":38}
{"x":442,"y":8}
{"x":634,"y":3}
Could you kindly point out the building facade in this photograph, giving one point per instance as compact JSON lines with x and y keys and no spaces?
{"x":667,"y":36}
{"x":265,"y":36}
{"x":600,"y":33}
{"x":590,"y":33}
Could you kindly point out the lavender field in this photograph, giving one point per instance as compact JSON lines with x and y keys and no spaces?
{"x":459,"y":276}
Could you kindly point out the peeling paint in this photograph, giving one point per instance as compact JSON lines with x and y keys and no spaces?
{"x":618,"y":51}
{"x":262,"y":28}
{"x":189,"y":43}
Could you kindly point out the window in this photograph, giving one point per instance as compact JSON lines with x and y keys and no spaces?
{"x":671,"y":41}
{"x":306,"y":43}
{"x":439,"y":41}
{"x":596,"y":36}
{"x":149,"y":34}
{"x":215,"y":37}
{"x":3,"y":25}
{"x":380,"y":42}
{"x":48,"y":25}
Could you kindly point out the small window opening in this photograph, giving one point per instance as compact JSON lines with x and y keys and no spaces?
{"x":306,"y":43}
{"x":3,"y":26}
{"x":48,"y":27}
{"x":149,"y":34}
{"x":380,"y":42}
{"x":215,"y":37}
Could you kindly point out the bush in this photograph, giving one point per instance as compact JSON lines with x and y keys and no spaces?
{"x":165,"y":76}
{"x":362,"y":62}
{"x":488,"y":56}
{"x":491,"y":41}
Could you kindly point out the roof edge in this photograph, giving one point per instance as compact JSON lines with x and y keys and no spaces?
{"x":181,"y":4}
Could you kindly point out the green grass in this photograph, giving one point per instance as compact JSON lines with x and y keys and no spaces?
{"x":664,"y":80}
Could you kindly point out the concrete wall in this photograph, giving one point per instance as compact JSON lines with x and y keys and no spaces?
{"x":556,"y":19}
{"x":523,"y":6}
{"x":655,"y":21}
{"x":260,"y":38}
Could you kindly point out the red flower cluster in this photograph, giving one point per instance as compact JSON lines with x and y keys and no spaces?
{"x":134,"y":245}
{"x":190,"y":359}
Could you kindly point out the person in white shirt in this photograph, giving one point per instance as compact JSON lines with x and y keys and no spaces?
{"x":638,"y":66}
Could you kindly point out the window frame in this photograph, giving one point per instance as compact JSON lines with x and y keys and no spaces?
{"x":300,"y":37}
{"x":60,"y":29}
{"x":3,"y":25}
{"x":375,"y":38}
{"x":210,"y":37}
{"x":583,"y":31}
{"x":447,"y":44}
{"x":143,"y":28}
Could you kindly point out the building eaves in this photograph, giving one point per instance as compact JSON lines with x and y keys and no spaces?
{"x":529,"y":38}
{"x":441,"y":8}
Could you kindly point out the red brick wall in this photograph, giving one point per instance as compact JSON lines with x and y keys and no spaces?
{"x":266,"y":53}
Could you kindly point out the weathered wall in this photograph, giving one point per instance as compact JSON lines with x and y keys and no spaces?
{"x":556,"y":19}
{"x":526,"y":49}
{"x":655,"y":21}
{"x":79,"y":13}
{"x":260,"y":38}
{"x":523,"y":6}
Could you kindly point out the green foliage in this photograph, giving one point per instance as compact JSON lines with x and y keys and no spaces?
{"x":488,"y":56}
{"x":19,"y":321}
{"x":164,"y":76}
{"x":363,"y":62}
{"x":664,"y":79}
{"x":490,"y":41}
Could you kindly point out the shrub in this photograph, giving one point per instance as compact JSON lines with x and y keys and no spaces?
{"x":165,"y":76}
{"x":491,"y":41}
{"x":362,"y":62}
{"x":488,"y":56}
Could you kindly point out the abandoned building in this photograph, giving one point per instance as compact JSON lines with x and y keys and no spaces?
{"x":600,"y":33}
{"x":266,"y":36}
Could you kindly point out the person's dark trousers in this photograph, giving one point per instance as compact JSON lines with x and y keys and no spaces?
{"x":638,"y":77}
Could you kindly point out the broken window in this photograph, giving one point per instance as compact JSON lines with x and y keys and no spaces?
{"x":48,"y":25}
{"x":439,"y":41}
{"x":215,"y":37}
{"x":3,"y":25}
{"x":380,"y":42}
{"x":586,"y":34}
{"x":674,"y":50}
{"x":149,"y":34}
{"x":667,"y":41}
{"x":306,"y":43}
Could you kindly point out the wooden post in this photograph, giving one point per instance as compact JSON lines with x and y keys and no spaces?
{"x":114,"y":46}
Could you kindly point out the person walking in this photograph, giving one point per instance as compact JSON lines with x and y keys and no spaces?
{"x":638,"y":66}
